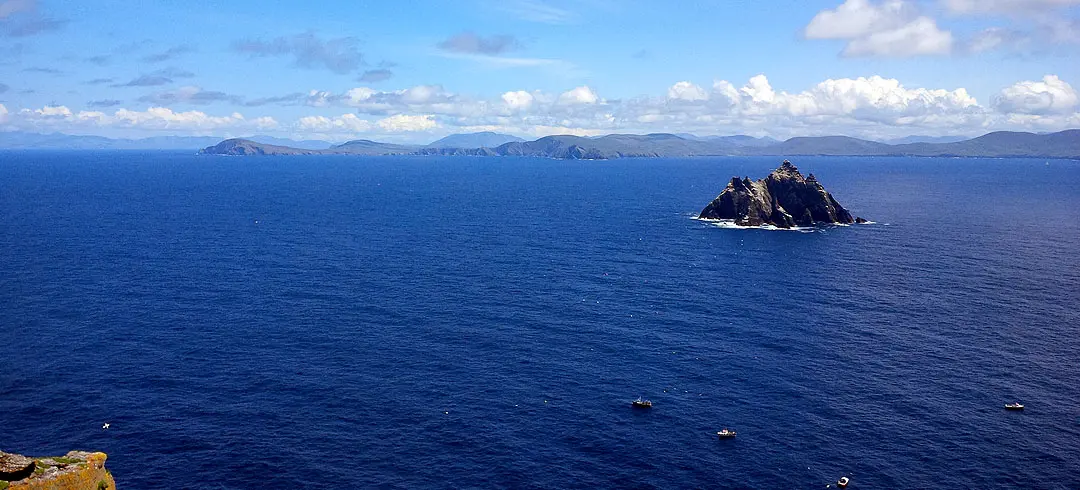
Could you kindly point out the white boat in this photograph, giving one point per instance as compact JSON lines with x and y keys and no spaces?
{"x":639,"y":403}
{"x":725,"y":434}
{"x":1014,"y":406}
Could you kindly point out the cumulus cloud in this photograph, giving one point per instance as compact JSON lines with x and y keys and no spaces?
{"x":402,"y":122}
{"x":518,"y":99}
{"x":1050,"y":96}
{"x":892,"y":28}
{"x":340,"y":55}
{"x":61,"y":118}
{"x":471,"y":43}
{"x":375,"y":76}
{"x":3,"y":114}
{"x":920,"y":36}
{"x":345,"y":123}
{"x":873,"y":106}
{"x":687,"y":91}
{"x":578,"y":96}
{"x":349,"y":125}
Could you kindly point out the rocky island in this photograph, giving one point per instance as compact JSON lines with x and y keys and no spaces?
{"x":784,"y":199}
{"x":76,"y":470}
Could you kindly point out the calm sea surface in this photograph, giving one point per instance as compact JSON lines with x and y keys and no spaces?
{"x":332,"y":322}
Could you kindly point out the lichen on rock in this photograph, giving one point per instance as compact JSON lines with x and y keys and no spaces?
{"x":76,"y":470}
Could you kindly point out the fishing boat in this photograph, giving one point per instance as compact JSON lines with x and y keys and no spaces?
{"x":1014,"y":406}
{"x":725,"y":434}
{"x":842,"y":482}
{"x":639,"y":403}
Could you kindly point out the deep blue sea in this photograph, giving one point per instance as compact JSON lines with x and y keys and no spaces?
{"x":335,"y":322}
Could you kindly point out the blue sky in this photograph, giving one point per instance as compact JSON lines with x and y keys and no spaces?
{"x":415,"y":71}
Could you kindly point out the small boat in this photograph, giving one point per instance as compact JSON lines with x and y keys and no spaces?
{"x":1014,"y":406}
{"x":842,"y":482}
{"x":639,"y":403}
{"x":725,"y":434}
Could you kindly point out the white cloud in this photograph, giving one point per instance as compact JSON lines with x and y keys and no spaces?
{"x":359,"y":94}
{"x":519,"y":99}
{"x":401,"y":122}
{"x":1005,"y":6}
{"x":579,"y":95}
{"x":871,"y":106}
{"x":858,"y":18}
{"x":265,"y":122}
{"x":318,"y":98}
{"x":155,"y":119}
{"x":159,"y":118}
{"x":345,"y":123}
{"x":920,"y":37}
{"x":1050,"y":96}
{"x":52,"y":111}
{"x":687,"y":91}
{"x":892,"y":28}
{"x":422,"y":94}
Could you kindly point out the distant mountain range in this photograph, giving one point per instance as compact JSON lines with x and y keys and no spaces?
{"x":1064,"y":144}
{"x":484,"y":139}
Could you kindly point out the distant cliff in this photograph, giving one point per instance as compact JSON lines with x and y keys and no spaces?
{"x":1064,"y":144}
{"x":784,"y":199}
{"x":76,"y":470}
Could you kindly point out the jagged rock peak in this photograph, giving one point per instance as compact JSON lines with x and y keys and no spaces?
{"x":783,"y":199}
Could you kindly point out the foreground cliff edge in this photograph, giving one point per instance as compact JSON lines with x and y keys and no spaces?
{"x":76,"y":470}
{"x":784,"y":199}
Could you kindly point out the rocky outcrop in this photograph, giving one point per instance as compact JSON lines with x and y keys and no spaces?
{"x":76,"y":470}
{"x":784,"y":199}
{"x":15,"y":466}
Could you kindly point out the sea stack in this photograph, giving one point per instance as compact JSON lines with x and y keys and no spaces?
{"x":784,"y":199}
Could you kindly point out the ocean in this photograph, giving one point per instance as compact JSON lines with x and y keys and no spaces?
{"x":411,"y":322}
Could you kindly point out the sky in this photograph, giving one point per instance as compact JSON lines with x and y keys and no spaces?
{"x":415,"y":71}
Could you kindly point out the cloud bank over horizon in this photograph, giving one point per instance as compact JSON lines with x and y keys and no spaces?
{"x":869,"y":107}
{"x":877,"y":69}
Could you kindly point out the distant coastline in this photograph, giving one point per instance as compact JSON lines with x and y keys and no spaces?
{"x":1001,"y":144}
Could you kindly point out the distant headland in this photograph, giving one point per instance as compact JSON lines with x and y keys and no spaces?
{"x":1001,"y":144}
{"x":784,"y":199}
